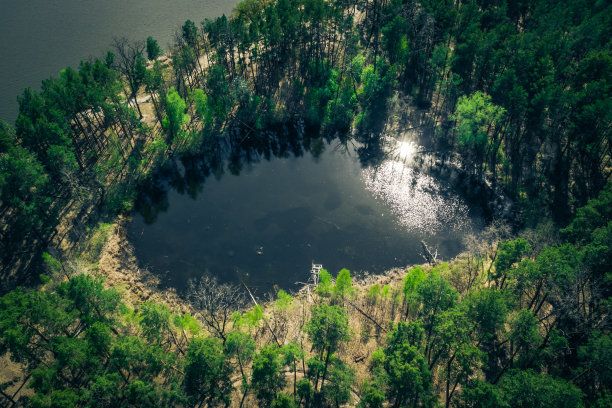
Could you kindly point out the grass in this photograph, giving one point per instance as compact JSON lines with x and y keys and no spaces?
{"x":96,"y":242}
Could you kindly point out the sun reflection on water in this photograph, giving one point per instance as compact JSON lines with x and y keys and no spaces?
{"x":419,"y":201}
{"x":406,"y":150}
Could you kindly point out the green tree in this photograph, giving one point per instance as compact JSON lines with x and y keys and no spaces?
{"x":407,"y":376}
{"x":153,"y":49}
{"x":487,"y":309}
{"x":372,"y":395}
{"x":324,"y":288}
{"x":283,"y":401}
{"x":529,"y":389}
{"x":74,"y":345}
{"x":23,"y":187}
{"x":241,"y":347}
{"x":337,"y":390}
{"x":207,"y":373}
{"x":412,"y":280}
{"x":343,"y":286}
{"x":508,"y":254}
{"x":436,"y":296}
{"x":202,"y":107}
{"x":595,"y":360}
{"x":481,"y":394}
{"x":525,"y":338}
{"x":267,"y":378}
{"x":292,"y":354}
{"x":156,"y":322}
{"x":327,"y":328}
{"x":479,"y":128}
{"x":176,"y":118}
{"x":454,"y":348}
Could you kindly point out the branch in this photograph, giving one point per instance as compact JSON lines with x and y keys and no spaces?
{"x":265,"y":321}
{"x":368,"y":317}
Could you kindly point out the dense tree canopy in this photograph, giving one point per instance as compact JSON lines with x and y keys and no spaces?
{"x":519,"y":92}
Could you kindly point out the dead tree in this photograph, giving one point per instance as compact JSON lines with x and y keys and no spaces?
{"x":131,"y":63}
{"x":430,"y":257}
{"x":215,"y":302}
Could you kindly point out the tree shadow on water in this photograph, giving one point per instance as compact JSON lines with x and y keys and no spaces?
{"x":233,"y":152}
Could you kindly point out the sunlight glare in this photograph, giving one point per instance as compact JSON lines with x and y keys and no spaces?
{"x":406,"y":150}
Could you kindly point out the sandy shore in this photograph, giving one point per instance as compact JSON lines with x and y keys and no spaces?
{"x":119,"y":266}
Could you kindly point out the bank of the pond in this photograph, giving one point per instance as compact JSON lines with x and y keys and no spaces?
{"x":120,"y":269}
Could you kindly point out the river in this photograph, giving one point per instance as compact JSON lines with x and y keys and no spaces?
{"x":38,"y":38}
{"x":262,"y":209}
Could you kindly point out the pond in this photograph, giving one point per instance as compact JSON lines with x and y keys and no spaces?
{"x":260,"y":208}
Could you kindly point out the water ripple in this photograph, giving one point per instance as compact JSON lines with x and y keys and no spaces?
{"x":418,"y":200}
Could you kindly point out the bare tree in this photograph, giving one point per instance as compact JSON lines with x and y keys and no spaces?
{"x":215,"y":301}
{"x":430,"y":256}
{"x":131,"y":63}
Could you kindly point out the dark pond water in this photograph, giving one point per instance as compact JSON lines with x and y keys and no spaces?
{"x":38,"y":38}
{"x":281,"y":201}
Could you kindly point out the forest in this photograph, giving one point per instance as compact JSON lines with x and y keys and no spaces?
{"x":518,"y":92}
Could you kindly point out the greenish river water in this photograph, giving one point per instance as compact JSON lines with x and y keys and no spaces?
{"x":38,"y":38}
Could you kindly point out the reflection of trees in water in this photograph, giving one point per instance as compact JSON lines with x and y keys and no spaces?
{"x":242,"y":146}
{"x":236,"y":149}
{"x":371,"y":152}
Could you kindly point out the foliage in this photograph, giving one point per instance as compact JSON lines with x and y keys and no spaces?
{"x":521,"y":90}
{"x":207,"y":373}
{"x":478,"y":120}
{"x":408,"y":376}
{"x":176,"y":118}
{"x":343,"y":286}
{"x":283,"y":300}
{"x":267,"y":379}
{"x":529,"y":389}
{"x":153,"y":49}
{"x":327,"y":328}
{"x":324,"y":288}
{"x":76,"y":350}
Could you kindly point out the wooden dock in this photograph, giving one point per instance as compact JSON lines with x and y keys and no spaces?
{"x":314,"y":273}
{"x":313,"y":281}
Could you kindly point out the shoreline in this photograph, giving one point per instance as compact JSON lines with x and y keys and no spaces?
{"x":119,"y":266}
